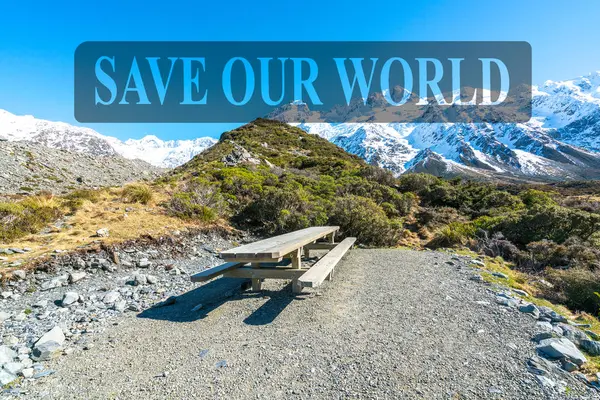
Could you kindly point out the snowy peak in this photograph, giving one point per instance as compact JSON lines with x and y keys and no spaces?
{"x":60,"y":135}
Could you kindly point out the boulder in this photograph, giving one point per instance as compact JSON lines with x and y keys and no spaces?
{"x":561,"y":349}
{"x":76,"y":276}
{"x":530,"y":309}
{"x":20,"y":274}
{"x":103,"y":232}
{"x":111,"y":297}
{"x":4,"y":316}
{"x":49,"y":345}
{"x":573,"y":334}
{"x":592,"y":347}
{"x":6,"y":377}
{"x":7,"y":355}
{"x":14,"y":367}
{"x":143,"y":263}
{"x":69,"y":298}
{"x":500,"y":275}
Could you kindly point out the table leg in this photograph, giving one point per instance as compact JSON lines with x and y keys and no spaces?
{"x":256,"y":282}
{"x":296,"y":264}
{"x":331,"y":237}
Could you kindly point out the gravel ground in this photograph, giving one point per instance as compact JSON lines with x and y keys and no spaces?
{"x":394,"y":324}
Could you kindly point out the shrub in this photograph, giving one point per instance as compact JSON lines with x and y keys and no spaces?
{"x":533,"y":197}
{"x":137,"y":193}
{"x":199,"y":200}
{"x":576,"y":288}
{"x":453,"y":234}
{"x":364,"y":219}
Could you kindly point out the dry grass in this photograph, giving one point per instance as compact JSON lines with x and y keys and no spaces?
{"x":106,"y":211}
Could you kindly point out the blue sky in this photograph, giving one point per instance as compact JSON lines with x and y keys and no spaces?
{"x":38,"y":38}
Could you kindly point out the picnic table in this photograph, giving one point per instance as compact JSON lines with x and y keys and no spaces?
{"x":265,"y":258}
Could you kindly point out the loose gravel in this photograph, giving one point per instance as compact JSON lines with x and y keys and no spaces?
{"x":394,"y":324}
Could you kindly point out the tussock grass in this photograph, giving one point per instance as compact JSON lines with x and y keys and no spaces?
{"x":138,"y":193}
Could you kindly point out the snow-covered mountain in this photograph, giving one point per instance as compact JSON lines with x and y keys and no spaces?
{"x":561,"y":141}
{"x":60,"y":135}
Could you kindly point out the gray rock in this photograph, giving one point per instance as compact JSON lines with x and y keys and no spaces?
{"x":6,"y":377}
{"x":521,"y":292}
{"x":478,"y":263}
{"x":530,"y":309}
{"x":500,"y":275}
{"x":143,"y":263}
{"x":111,"y":297}
{"x":573,"y":334}
{"x":27,"y":373}
{"x":593,"y":335}
{"x":151,"y":279}
{"x":4,"y":316}
{"x":561,"y":349}
{"x":103,"y":232}
{"x":76,"y":276}
{"x":7,"y":355}
{"x":40,"y":304}
{"x":19,"y":273}
{"x":69,"y":298}
{"x":14,"y":367}
{"x":506,"y":301}
{"x":592,"y":347}
{"x":120,"y":305}
{"x":6,"y":295}
{"x":49,"y":345}
{"x":139,"y":279}
{"x":569,"y":366}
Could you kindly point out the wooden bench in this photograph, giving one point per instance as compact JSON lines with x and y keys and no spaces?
{"x":265,"y":256}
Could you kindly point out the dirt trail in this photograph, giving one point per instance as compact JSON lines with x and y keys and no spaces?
{"x":394,"y":324}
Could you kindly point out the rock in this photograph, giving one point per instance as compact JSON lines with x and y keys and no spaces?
{"x":43,"y":374}
{"x":506,"y":301}
{"x":69,"y":298}
{"x":40,"y":304}
{"x":521,"y":292}
{"x":168,"y":302}
{"x":76,"y":276}
{"x":79,"y":263}
{"x":7,"y":355}
{"x":151,"y":279}
{"x":591,"y":334}
{"x":6,"y":377}
{"x":103,"y":232}
{"x":27,"y":373}
{"x":139,"y":279}
{"x":143,"y":263}
{"x":573,"y":334}
{"x":545,"y":381}
{"x":14,"y":367}
{"x":478,"y":263}
{"x":4,"y":316}
{"x":561,"y":349}
{"x":592,"y":347}
{"x":6,"y":295}
{"x":530,"y":309}
{"x":111,"y":297}
{"x":569,"y":366}
{"x":53,"y":283}
{"x":500,"y":275}
{"x":49,"y":345}
{"x":120,"y":305}
{"x":20,"y":274}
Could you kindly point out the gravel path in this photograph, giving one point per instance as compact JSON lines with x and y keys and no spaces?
{"x":394,"y":324}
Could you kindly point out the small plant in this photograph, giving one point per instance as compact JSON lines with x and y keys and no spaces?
{"x":137,"y":193}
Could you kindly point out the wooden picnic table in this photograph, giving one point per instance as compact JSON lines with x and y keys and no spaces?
{"x":264,"y":257}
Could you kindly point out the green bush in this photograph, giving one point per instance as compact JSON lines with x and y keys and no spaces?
{"x":364,"y":219}
{"x":577,"y":288}
{"x":453,"y":234}
{"x":198,"y":200}
{"x":137,"y":193}
{"x":75,"y":199}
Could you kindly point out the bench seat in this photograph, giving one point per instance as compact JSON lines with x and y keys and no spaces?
{"x":324,"y":267}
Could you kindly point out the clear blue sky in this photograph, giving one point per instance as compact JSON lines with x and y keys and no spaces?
{"x":38,"y":38}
